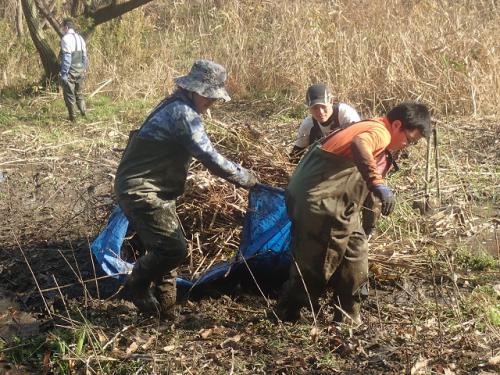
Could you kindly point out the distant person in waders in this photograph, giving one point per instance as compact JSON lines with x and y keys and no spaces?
{"x":325,"y":116}
{"x":152,"y":174}
{"x":324,"y":199}
{"x":74,"y":64}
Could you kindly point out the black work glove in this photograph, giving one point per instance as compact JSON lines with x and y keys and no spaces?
{"x":385,"y":195}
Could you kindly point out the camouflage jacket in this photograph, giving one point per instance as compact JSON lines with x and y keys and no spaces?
{"x":157,"y":157}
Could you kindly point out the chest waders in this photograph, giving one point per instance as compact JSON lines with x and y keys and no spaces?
{"x":77,"y":67}
{"x":73,"y":87}
{"x":150,"y":176}
{"x":324,"y":199}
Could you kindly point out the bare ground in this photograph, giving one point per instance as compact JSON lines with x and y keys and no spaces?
{"x":434,"y":298}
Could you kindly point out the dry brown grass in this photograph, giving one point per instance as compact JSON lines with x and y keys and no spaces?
{"x":372,"y":52}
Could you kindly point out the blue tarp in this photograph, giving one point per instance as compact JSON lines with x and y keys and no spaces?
{"x":263,"y":255}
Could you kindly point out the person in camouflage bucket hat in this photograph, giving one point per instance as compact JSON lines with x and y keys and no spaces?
{"x":152,"y":174}
{"x":206,"y":78}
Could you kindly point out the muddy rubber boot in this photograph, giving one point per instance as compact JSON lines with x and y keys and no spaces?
{"x":165,"y":291}
{"x":137,"y":291}
{"x":348,"y":312}
{"x":287,"y":311}
{"x":71,"y":114}
{"x":81,"y":106}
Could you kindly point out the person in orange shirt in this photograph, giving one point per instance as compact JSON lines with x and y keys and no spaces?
{"x":324,"y":199}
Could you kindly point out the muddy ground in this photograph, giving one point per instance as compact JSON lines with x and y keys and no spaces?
{"x":434,"y":281}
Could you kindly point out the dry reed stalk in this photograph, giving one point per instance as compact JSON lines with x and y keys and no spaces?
{"x":497,"y":242}
{"x":92,"y":280}
{"x":116,"y":336}
{"x":427,"y":175}
{"x":438,"y":306}
{"x":34,"y":278}
{"x":64,"y":302}
{"x":257,"y":284}
{"x":100,"y":87}
{"x":77,"y":275}
{"x":91,"y":255}
{"x":80,"y":278}
{"x":307,"y":293}
{"x":436,"y":162}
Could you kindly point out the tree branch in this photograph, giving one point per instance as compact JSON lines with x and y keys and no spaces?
{"x":113,"y":10}
{"x":51,"y":10}
{"x":40,"y":4}
{"x":74,"y":7}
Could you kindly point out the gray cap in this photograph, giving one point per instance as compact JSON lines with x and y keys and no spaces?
{"x":206,"y":78}
{"x":318,"y":94}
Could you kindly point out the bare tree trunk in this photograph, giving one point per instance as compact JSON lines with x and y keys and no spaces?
{"x":47,"y":56}
{"x":49,"y":17}
{"x":50,"y":10}
{"x":19,"y":19}
{"x":94,"y":16}
{"x":75,"y":7}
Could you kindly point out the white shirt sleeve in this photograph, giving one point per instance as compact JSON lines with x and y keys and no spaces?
{"x":347,"y":115}
{"x":303,"y":133}
{"x":66,"y":44}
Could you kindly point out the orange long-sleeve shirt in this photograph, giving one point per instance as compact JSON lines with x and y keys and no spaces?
{"x":362,"y":143}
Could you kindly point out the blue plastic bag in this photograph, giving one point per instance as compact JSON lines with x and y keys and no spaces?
{"x":263,"y":255}
{"x":107,"y":246}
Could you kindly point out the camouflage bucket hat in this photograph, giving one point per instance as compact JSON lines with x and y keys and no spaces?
{"x":206,"y":78}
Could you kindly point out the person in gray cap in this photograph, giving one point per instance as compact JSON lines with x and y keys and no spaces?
{"x":325,"y":116}
{"x":74,"y":64}
{"x":152,"y":174}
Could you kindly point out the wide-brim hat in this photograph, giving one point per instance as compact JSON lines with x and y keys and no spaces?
{"x":206,"y":78}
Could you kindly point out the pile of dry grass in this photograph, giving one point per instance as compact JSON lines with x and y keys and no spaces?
{"x":212,"y":210}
